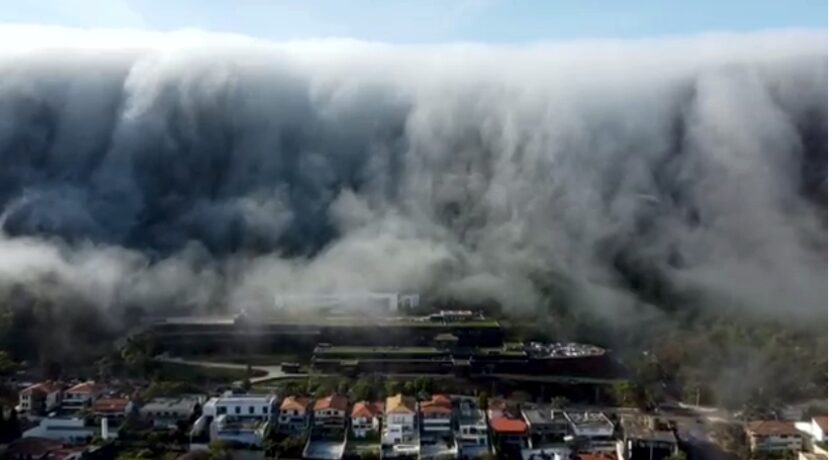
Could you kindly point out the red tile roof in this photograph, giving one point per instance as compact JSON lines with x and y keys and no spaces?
{"x":294,"y":403}
{"x":336,"y":402}
{"x":771,"y":427}
{"x":368,"y":409}
{"x":504,"y":425}
{"x":86,"y":388}
{"x":111,"y":405}
{"x":822,"y":422}
{"x":65,"y":452}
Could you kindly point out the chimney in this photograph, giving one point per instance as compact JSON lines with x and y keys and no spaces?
{"x":105,"y":429}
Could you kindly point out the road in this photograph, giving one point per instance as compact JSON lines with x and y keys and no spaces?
{"x":272,"y":372}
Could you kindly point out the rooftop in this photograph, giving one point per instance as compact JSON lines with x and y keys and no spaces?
{"x":647,"y":428}
{"x":506,"y":425}
{"x":42,"y":387}
{"x":368,"y":409}
{"x":588,"y":419}
{"x":86,"y":388}
{"x":544,"y":415}
{"x":439,"y":404}
{"x":771,"y":427}
{"x":294,"y":403}
{"x":170,"y":404}
{"x":111,"y":405}
{"x":400,"y":404}
{"x":336,"y":402}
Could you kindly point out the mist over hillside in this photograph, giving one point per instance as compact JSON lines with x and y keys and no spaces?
{"x":621,"y":178}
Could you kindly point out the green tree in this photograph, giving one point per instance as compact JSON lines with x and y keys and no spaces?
{"x":363,"y":390}
{"x":679,"y":455}
{"x":393,"y":387}
{"x":370,"y":454}
{"x":7,"y":364}
{"x":483,"y":400}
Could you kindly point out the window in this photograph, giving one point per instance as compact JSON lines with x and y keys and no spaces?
{"x":237,"y":410}
{"x":221,"y":410}
{"x":252,"y":410}
{"x":265,"y":410}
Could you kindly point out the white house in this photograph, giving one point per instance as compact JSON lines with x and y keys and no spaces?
{"x":72,"y":430}
{"x":247,"y":406}
{"x":81,"y":395}
{"x":472,"y":431}
{"x":773,"y":437}
{"x":330,"y":413}
{"x":365,"y":418}
{"x":293,"y":414}
{"x":41,"y":397}
{"x":242,"y":419}
{"x":436,"y":415}
{"x":166,"y":412}
{"x":400,"y":421}
{"x":593,"y":431}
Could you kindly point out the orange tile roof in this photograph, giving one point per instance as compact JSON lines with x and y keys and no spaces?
{"x":294,"y":403}
{"x":42,"y":387}
{"x":400,"y":404}
{"x":367,"y":409}
{"x":85,"y":388}
{"x":111,"y":405}
{"x":439,"y":404}
{"x":822,"y":422}
{"x":505,"y":425}
{"x":336,"y":402}
{"x":771,"y":427}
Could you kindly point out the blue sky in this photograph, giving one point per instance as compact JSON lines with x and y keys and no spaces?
{"x":428,"y":21}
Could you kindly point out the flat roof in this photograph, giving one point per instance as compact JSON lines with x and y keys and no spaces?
{"x":544,"y":415}
{"x":646,"y":428}
{"x":166,"y":404}
{"x":328,"y":321}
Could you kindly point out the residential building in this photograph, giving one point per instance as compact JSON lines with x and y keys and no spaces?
{"x":547,"y":453}
{"x":293,"y":415}
{"x":330,"y":413}
{"x":592,"y":432}
{"x":260,"y":407}
{"x":509,"y":430}
{"x":547,"y":425}
{"x":646,"y":438}
{"x":472,"y":431}
{"x":112,"y":408}
{"x":365,"y":419}
{"x":68,"y":429}
{"x":81,"y":395}
{"x":166,"y":412}
{"x":767,"y":437}
{"x":436,"y":415}
{"x":41,"y":397}
{"x":238,"y":419}
{"x":400,"y":430}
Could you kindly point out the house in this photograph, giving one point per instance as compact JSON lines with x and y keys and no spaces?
{"x":237,"y":419}
{"x":292,"y":417}
{"x":547,"y":425}
{"x":548,"y":453}
{"x":472,"y":431}
{"x":365,"y":418}
{"x":400,"y":430}
{"x":68,"y":429}
{"x":646,"y":438}
{"x":41,"y":397}
{"x":509,"y":430}
{"x":592,"y":432}
{"x":818,"y":428}
{"x":436,"y":415}
{"x":166,"y":412}
{"x":111,"y":408}
{"x":330,"y":413}
{"x":767,"y":437}
{"x":81,"y":395}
